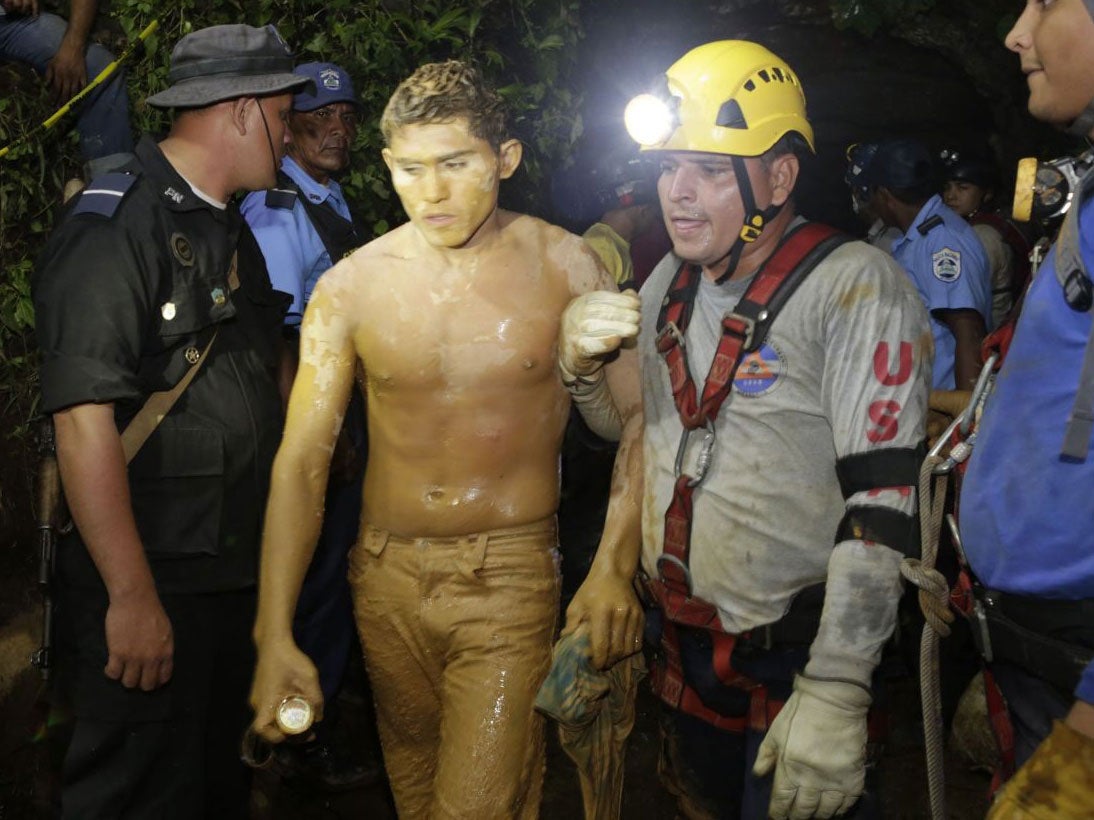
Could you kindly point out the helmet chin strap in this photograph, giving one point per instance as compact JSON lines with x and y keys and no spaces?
{"x":269,"y":138}
{"x":755,"y":219}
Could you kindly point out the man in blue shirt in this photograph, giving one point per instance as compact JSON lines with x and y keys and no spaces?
{"x":1025,"y":504}
{"x":304,"y":226}
{"x":323,"y":128}
{"x":940,"y":251}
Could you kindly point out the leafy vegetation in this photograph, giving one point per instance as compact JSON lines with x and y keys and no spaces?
{"x":526,"y":47}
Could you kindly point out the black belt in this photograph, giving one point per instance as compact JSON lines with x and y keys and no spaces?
{"x":1051,"y":639}
{"x":798,"y":627}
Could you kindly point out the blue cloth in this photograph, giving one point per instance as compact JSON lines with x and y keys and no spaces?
{"x":1033,"y":704}
{"x":1025,"y":510}
{"x":294,"y":253}
{"x":951,"y":272}
{"x":102,"y":121}
{"x":1085,"y":690}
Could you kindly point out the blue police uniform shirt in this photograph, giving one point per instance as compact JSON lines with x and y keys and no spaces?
{"x":294,"y":253}
{"x":1025,"y":509}
{"x":951,"y":272}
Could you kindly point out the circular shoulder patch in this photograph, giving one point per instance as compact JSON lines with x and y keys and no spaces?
{"x":946,"y":265}
{"x":760,"y":372}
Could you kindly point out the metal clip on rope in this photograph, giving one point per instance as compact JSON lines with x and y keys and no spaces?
{"x":963,"y":423}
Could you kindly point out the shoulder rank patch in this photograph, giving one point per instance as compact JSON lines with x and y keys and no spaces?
{"x":103,"y":195}
{"x":946,"y":265}
{"x":929,"y":224}
{"x":281,"y":198}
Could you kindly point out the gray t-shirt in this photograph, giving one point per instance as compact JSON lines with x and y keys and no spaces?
{"x":845,"y":369}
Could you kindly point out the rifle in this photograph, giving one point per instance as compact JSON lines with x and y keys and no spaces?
{"x":51,"y":520}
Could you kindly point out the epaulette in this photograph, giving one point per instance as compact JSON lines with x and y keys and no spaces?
{"x":281,"y":198}
{"x":928,"y":225}
{"x":104,"y":194}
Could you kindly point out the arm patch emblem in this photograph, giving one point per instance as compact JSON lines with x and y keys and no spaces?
{"x":946,"y":265}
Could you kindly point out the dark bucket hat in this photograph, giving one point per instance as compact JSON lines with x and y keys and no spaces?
{"x":224,"y":62}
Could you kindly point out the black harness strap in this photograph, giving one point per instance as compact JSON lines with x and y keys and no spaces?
{"x":892,"y":467}
{"x":339,"y":236}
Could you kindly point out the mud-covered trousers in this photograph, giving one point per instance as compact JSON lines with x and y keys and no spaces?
{"x":457,"y":637}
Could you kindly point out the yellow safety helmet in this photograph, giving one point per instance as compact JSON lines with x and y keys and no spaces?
{"x":727,"y":97}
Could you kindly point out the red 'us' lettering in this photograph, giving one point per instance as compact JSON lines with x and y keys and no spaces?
{"x":884,"y":415}
{"x":882,"y":365}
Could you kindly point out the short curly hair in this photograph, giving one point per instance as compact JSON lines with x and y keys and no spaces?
{"x":442,"y":92}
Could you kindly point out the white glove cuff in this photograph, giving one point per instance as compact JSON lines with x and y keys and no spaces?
{"x":593,"y":400}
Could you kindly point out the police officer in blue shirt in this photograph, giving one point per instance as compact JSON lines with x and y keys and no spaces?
{"x":304,"y":226}
{"x":940,"y":251}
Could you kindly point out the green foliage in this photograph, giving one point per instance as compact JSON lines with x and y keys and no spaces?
{"x":867,"y":16}
{"x":31,"y":179}
{"x":895,"y":16}
{"x":527,"y":48}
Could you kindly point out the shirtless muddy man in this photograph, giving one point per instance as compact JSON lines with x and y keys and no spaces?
{"x":453,"y":321}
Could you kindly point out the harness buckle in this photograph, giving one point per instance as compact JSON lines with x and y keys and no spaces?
{"x":749,"y":329}
{"x":981,"y":633}
{"x":761,"y":637}
{"x":669,"y":330}
{"x":665,"y":558}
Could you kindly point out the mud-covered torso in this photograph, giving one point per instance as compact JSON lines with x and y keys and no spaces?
{"x":466,"y":410}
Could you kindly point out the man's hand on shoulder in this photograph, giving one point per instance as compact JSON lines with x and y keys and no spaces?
{"x":943,"y":407}
{"x":630,"y":221}
{"x":139,"y":640}
{"x":594,"y":325}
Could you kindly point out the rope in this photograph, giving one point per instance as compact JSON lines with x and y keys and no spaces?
{"x":934,"y":596}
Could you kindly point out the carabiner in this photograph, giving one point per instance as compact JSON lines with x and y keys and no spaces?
{"x":703,"y":460}
{"x":979,"y":394}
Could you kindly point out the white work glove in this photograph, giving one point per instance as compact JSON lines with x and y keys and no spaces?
{"x":817,"y":747}
{"x":593,"y":325}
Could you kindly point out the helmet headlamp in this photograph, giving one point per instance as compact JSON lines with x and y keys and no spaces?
{"x":650,"y":120}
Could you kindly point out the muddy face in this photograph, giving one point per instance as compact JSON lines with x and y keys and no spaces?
{"x":447,"y":179}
